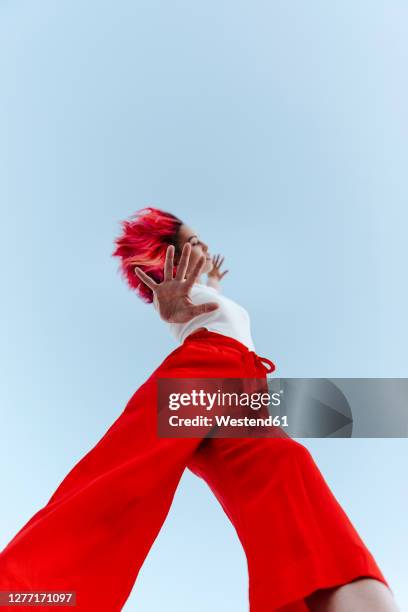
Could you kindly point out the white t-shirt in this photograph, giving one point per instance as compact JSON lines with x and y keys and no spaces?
{"x":230,"y":318}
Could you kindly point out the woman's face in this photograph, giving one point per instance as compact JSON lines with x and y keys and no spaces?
{"x":198,"y":248}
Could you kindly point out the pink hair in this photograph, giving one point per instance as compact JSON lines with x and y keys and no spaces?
{"x":143,"y":243}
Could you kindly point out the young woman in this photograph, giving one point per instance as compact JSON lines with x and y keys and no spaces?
{"x":96,"y":530}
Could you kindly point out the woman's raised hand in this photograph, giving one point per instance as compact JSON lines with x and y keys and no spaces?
{"x":172,"y":295}
{"x":215,"y":272}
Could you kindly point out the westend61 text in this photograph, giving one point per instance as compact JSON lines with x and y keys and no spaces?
{"x":228,"y":421}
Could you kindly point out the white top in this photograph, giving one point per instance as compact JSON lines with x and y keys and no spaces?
{"x":230,"y":318}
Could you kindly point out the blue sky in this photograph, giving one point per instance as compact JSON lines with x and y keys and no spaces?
{"x":278,"y":131}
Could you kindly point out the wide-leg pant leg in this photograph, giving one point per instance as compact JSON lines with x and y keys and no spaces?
{"x":296,"y":536}
{"x":97,"y":528}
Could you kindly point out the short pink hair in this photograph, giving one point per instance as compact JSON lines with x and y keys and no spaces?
{"x":143,"y":243}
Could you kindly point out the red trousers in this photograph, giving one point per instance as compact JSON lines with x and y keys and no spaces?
{"x":96,"y":530}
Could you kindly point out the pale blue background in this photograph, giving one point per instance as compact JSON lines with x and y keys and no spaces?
{"x":279,"y":131}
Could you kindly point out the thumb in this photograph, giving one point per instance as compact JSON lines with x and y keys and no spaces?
{"x":202,"y":308}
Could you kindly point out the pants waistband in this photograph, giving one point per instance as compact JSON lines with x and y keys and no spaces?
{"x":211,"y":337}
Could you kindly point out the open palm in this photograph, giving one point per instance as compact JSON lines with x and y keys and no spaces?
{"x":172,"y":295}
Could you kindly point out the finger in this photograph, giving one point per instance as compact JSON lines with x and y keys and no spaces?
{"x":146,"y":279}
{"x":222,"y":261}
{"x":194,"y":311}
{"x":195,"y":273}
{"x":169,"y":263}
{"x":216,"y":261}
{"x":223,"y":274}
{"x":183,"y":263}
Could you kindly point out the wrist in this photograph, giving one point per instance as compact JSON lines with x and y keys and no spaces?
{"x":213,"y":282}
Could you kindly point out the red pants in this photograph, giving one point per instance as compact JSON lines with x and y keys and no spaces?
{"x":96,"y":530}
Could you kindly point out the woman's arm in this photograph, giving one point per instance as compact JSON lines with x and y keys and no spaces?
{"x":214,"y":283}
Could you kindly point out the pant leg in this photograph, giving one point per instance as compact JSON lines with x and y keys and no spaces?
{"x":97,"y":528}
{"x":296,"y":536}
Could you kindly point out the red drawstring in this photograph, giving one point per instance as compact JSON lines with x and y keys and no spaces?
{"x":270,"y":363}
{"x":256,"y":359}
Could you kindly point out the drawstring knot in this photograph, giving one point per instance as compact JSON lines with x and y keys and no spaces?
{"x":251,"y":358}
